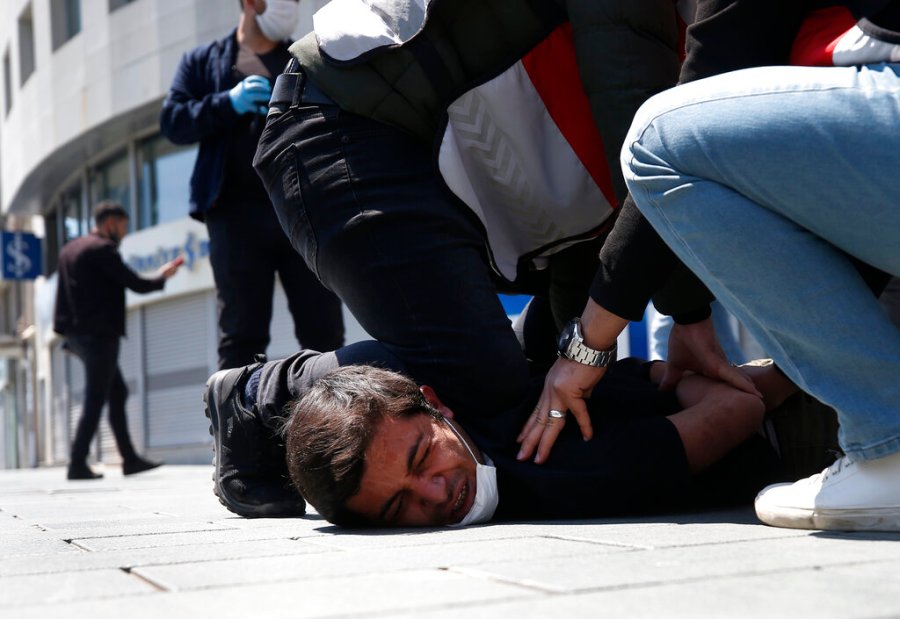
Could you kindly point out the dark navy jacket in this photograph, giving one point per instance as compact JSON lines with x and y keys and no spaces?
{"x":198,"y":109}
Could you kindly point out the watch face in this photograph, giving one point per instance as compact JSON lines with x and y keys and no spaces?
{"x":562,"y":345}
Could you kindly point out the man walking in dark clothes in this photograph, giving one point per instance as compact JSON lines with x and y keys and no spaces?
{"x":90,"y":313}
{"x":219,"y":98}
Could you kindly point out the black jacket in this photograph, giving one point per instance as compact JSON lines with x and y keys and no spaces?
{"x":90,"y":296}
{"x":634,"y":464}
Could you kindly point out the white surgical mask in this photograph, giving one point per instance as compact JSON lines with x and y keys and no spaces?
{"x":486,"y":495}
{"x":279,"y":20}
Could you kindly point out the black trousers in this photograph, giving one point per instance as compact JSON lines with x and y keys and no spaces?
{"x":103,"y":384}
{"x":365,"y":207}
{"x":247,"y":248}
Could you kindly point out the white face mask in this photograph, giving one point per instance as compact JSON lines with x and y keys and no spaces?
{"x":486,"y":495}
{"x":279,"y":20}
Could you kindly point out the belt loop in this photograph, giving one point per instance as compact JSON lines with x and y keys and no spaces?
{"x":298,"y":88}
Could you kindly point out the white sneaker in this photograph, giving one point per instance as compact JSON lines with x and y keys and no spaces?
{"x":847,"y":496}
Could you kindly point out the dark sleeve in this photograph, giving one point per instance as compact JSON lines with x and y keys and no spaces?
{"x":110,"y":263}
{"x":883,"y":13}
{"x":626,"y":52}
{"x":728,"y":35}
{"x":190,"y":111}
{"x":636,"y":264}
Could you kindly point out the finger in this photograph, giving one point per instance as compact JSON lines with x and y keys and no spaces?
{"x":526,"y":429}
{"x":257,"y":80}
{"x":548,"y":438}
{"x":579,"y":410}
{"x":541,"y":409}
{"x":737,"y":379}
{"x":670,"y":378}
{"x":532,"y":438}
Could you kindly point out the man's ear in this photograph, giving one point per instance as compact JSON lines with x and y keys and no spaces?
{"x":435,"y":401}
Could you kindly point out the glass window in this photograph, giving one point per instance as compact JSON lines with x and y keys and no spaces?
{"x":26,"y":45}
{"x":76,"y":219}
{"x":164,"y":180}
{"x":7,"y":83}
{"x":65,"y":16}
{"x":110,"y":181}
{"x":51,"y":241}
{"x":118,"y":4}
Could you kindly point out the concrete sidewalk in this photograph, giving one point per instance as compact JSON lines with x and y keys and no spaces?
{"x":159,"y":545}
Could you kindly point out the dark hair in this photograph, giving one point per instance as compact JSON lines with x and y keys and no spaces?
{"x":331,"y":427}
{"x":106,"y":209}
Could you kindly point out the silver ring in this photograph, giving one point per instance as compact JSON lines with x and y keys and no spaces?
{"x":555,"y":414}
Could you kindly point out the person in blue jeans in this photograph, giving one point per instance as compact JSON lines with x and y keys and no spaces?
{"x":726,"y":37}
{"x":800,"y":165}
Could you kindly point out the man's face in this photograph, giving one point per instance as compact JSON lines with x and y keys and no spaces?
{"x":115,"y":229}
{"x":418,"y":472}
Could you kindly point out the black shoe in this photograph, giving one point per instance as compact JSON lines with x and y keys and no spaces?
{"x":82,"y":471}
{"x":250,"y":471}
{"x":138,"y":465}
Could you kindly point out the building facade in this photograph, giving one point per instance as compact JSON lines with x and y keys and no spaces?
{"x":82,"y":86}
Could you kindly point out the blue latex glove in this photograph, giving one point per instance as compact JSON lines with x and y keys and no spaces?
{"x":251,"y":95}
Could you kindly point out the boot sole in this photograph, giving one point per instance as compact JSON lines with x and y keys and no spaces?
{"x":269,"y":510}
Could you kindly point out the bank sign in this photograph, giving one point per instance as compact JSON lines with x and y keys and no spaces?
{"x":21,"y":255}
{"x":147,"y":250}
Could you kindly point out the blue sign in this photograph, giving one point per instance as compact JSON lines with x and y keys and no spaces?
{"x":20,"y":255}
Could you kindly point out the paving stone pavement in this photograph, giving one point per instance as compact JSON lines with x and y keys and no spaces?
{"x":159,"y":545}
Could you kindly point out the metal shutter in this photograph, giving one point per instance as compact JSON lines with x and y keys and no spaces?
{"x":59,"y":404}
{"x":75,"y":379}
{"x":177,"y":334}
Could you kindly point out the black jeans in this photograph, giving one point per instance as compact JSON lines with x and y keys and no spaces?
{"x":363,"y":205}
{"x":247,"y":248}
{"x":103,"y":384}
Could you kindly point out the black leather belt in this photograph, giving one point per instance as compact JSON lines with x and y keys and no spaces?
{"x":293,"y":88}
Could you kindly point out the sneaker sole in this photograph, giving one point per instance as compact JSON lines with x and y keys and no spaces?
{"x":273,"y":510}
{"x":869,"y":519}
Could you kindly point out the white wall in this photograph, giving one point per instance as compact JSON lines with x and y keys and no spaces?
{"x":117,"y":62}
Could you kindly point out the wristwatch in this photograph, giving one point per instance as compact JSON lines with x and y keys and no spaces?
{"x":571,"y":346}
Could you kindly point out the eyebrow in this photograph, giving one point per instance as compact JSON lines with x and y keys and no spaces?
{"x":410,"y":461}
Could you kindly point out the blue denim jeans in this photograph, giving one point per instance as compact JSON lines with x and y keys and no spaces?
{"x":764,"y":182}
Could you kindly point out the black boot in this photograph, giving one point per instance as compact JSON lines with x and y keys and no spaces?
{"x":250,"y":474}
